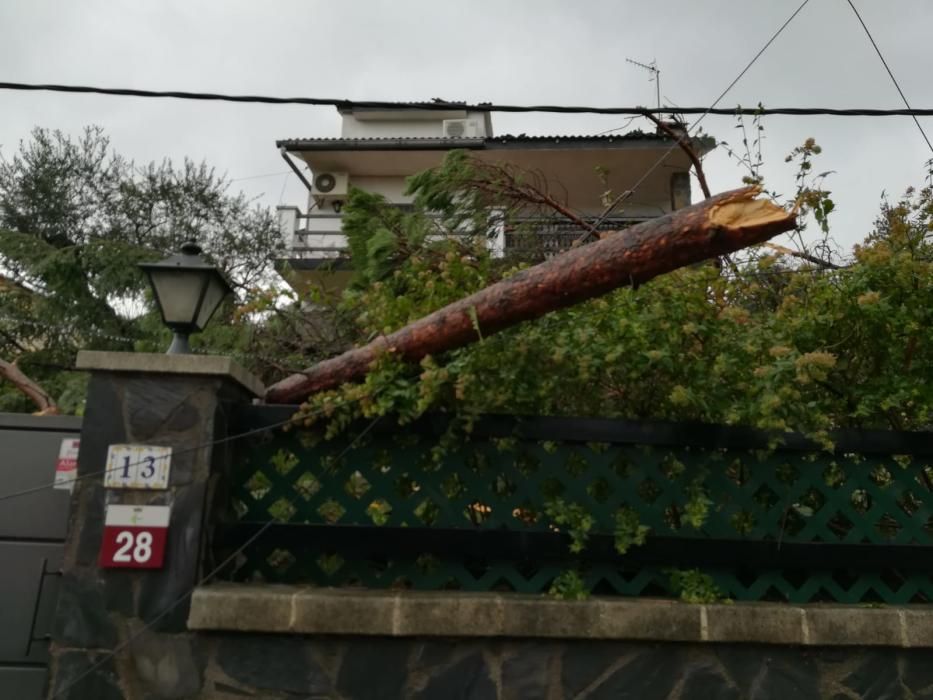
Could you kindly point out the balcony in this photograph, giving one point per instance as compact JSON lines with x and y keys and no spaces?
{"x":318,"y":237}
{"x":311,"y":237}
{"x":539,"y":238}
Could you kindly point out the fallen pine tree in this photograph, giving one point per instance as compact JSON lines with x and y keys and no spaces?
{"x":717,"y":226}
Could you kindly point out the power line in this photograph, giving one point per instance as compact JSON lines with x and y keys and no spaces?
{"x":480,"y":106}
{"x":754,"y":59}
{"x":185,"y":450}
{"x":257,"y":177}
{"x":194,"y":448}
{"x":216,"y":570}
{"x":890,"y":72}
{"x":710,"y":110}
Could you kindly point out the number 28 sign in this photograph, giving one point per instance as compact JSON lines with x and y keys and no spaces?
{"x":138,"y":467}
{"x":134,"y":537}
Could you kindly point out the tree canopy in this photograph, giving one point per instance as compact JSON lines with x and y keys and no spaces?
{"x":75,"y":219}
{"x":769,"y":341}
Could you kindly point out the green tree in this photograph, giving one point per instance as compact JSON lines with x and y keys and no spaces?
{"x":75,"y":219}
{"x":774,"y":342}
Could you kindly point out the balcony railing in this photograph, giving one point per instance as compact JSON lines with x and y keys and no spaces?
{"x":538,"y":238}
{"x":318,"y":236}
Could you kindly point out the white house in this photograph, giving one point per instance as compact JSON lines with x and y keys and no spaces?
{"x":379,"y":148}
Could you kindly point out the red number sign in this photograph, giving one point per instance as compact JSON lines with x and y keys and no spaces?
{"x":134,"y":537}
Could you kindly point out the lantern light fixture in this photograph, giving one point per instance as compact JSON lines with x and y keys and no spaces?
{"x":188,"y":290}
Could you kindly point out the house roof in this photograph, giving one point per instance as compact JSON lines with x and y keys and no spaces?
{"x":437,"y":104}
{"x":392,"y":143}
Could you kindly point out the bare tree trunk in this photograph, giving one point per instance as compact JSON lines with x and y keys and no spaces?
{"x":723,"y":224}
{"x":38,"y":395}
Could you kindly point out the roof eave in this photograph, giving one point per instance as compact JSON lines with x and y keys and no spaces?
{"x":492,"y":144}
{"x":294,"y":145}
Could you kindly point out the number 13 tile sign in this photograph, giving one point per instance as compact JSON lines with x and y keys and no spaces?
{"x":134,"y":537}
{"x":138,"y":467}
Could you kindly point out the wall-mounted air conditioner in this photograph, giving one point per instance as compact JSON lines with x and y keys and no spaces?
{"x":330,"y":186}
{"x":462,"y":129}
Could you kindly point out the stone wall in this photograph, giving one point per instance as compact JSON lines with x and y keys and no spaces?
{"x":235,"y":666}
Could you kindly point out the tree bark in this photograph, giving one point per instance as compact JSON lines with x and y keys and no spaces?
{"x":722,"y":224}
{"x":38,"y":395}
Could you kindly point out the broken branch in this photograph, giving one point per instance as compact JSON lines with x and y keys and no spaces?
{"x":39,"y":396}
{"x":725,"y":223}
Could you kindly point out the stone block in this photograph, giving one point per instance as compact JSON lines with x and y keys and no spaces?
{"x":80,"y":675}
{"x":583,"y":663}
{"x":917,"y":623}
{"x":375,"y":669}
{"x":706,"y":681}
{"x":843,"y":625}
{"x":764,"y":672}
{"x":544,"y":617}
{"x":646,"y":672}
{"x":528,"y":672}
{"x":272,"y":663}
{"x":82,"y":618}
{"x":166,"y":665}
{"x":456,"y":615}
{"x":242,"y":608}
{"x":162,"y":409}
{"x":329,"y":611}
{"x":877,"y":676}
{"x":467,"y":679}
{"x":749,"y":622}
{"x":155,"y":363}
{"x":656,"y":620}
{"x":917,"y":671}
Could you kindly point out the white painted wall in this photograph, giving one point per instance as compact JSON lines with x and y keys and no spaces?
{"x":391,"y":188}
{"x":424,"y":127}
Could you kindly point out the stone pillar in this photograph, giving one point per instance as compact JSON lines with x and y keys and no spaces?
{"x":183,"y":401}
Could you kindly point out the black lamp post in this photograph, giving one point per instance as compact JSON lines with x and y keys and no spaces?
{"x":188,"y":291}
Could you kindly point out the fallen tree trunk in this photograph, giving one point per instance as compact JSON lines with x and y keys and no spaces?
{"x":722,"y":224}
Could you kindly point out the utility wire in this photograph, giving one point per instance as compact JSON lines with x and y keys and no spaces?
{"x":890,"y":73}
{"x":754,"y":59}
{"x":695,"y":125}
{"x":483,"y":106}
{"x":216,"y":570}
{"x":193,"y":448}
{"x":257,"y":177}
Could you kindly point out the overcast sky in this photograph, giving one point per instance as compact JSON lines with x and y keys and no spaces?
{"x":519,"y":52}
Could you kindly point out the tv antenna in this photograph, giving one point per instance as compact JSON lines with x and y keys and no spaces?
{"x":655,"y":74}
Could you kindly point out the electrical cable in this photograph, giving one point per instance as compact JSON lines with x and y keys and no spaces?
{"x":476,"y":107}
{"x":216,"y":570}
{"x":175,"y":453}
{"x":186,"y":450}
{"x":257,"y":177}
{"x":890,"y":73}
{"x":627,"y":193}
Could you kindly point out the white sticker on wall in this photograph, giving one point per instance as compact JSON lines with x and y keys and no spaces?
{"x":66,"y":467}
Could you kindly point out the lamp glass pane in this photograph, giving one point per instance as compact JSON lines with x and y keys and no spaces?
{"x":216,"y":291}
{"x":178,"y":292}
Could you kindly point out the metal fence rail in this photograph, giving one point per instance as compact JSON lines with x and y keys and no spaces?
{"x":793,"y":523}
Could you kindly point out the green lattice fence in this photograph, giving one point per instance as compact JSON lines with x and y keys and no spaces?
{"x":792,"y":523}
